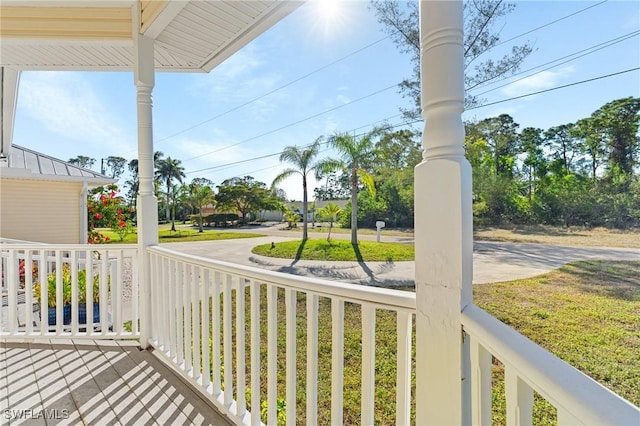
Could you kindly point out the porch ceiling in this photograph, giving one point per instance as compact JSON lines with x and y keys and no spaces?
{"x":190,"y":35}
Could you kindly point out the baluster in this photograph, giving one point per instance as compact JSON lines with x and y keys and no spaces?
{"x":216,"y":334}
{"x":206,"y":319}
{"x":312,"y":359}
{"x":196,"y":281}
{"x":104,"y":295}
{"x":368,"y":363}
{"x":403,"y":375}
{"x":241,"y":382}
{"x":228,"y":354}
{"x":272,"y":354}
{"x":173,"y":308}
{"x":519,"y":397}
{"x":59,"y":305}
{"x":43,"y":274}
{"x":12,"y":288}
{"x":74,"y":292}
{"x":337,"y":360}
{"x":179,"y":309}
{"x":135,"y":296}
{"x":186,"y":309}
{"x":116,"y":297}
{"x":28,"y":291}
{"x":255,"y":354}
{"x":88,"y":291}
{"x":480,"y":383}
{"x":290,"y":302}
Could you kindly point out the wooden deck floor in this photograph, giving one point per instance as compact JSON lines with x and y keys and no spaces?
{"x":94,"y":382}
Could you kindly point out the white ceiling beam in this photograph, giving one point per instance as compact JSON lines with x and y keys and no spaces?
{"x":9,"y":81}
{"x":168,"y":14}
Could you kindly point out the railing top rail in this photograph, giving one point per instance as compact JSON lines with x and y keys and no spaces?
{"x":44,"y":246}
{"x":347,"y":291}
{"x":558,"y":382}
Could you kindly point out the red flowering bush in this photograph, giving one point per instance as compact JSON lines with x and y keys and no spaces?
{"x":106,"y":209}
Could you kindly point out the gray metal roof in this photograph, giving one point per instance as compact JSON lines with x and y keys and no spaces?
{"x":46,"y":166}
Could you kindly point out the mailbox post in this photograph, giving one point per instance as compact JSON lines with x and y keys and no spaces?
{"x":379,"y":226}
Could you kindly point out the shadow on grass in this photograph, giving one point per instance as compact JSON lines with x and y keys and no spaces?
{"x":363,"y":265}
{"x":544,"y":230}
{"x":299,"y":252}
{"x":617,"y":279}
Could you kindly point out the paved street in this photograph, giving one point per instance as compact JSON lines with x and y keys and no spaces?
{"x":492,"y":261}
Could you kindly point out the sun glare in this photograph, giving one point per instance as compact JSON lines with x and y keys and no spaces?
{"x":330,"y":16}
{"x":328,"y":9}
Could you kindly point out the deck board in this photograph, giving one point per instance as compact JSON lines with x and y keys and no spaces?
{"x":91,"y":382}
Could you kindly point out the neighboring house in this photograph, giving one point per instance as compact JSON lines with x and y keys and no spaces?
{"x":44,"y":199}
{"x":277,"y":215}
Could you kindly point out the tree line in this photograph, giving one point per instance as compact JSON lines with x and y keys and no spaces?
{"x":576,"y":174}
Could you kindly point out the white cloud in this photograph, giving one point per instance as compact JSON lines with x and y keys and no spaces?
{"x":540,"y":81}
{"x":343,"y":99}
{"x":209,"y":152}
{"x":67,"y":104}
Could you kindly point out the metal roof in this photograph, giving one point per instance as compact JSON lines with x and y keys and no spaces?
{"x":25,"y":163}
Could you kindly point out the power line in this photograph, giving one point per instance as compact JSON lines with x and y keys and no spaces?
{"x":317,"y":70}
{"x":598,"y":46}
{"x":322,"y":68}
{"x":550,"y":23}
{"x":222,"y":166}
{"x":573,"y":57}
{"x":555,"y":88}
{"x":294,"y":123}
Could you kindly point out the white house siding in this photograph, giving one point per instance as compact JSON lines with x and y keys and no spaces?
{"x":43,"y":211}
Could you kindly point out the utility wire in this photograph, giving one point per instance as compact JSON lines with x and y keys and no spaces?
{"x":317,"y":70}
{"x":341,"y":59}
{"x":406,"y":123}
{"x":596,"y":47}
{"x":580,"y":54}
{"x":555,"y":88}
{"x":550,"y":23}
{"x":294,"y":123}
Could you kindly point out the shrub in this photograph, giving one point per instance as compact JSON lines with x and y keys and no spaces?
{"x":66,"y":287}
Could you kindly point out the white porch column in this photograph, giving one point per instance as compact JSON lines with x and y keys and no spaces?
{"x":147,"y":205}
{"x":443,"y":220}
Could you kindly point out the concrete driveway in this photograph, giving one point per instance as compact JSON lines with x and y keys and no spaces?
{"x":492,"y":261}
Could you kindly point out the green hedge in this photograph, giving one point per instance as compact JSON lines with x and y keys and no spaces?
{"x":217,"y":219}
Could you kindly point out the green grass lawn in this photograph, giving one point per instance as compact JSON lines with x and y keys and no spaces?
{"x":338,"y":250}
{"x":181,"y":235}
{"x":587,"y":313}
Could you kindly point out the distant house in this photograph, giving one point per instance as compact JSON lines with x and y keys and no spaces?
{"x":44,"y":199}
{"x":278,"y":216}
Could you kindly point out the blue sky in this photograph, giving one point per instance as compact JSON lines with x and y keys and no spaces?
{"x":200,"y":118}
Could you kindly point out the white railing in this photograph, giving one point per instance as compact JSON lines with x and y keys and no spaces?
{"x":195,"y":300}
{"x":528,"y":367}
{"x":45,"y":288}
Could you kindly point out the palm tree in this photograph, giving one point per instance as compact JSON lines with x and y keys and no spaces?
{"x":354,"y":153}
{"x":200,"y":195}
{"x":169,"y":169}
{"x":330,"y":212}
{"x":302,"y":161}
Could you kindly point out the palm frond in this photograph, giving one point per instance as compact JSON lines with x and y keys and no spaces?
{"x":285,"y":174}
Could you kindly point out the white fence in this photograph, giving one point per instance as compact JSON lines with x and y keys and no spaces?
{"x":45,"y":288}
{"x":198,"y":299}
{"x":579,"y":400}
{"x":235,"y":334}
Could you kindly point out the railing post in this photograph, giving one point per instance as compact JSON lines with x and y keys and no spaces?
{"x":443,"y":222}
{"x":147,"y":205}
